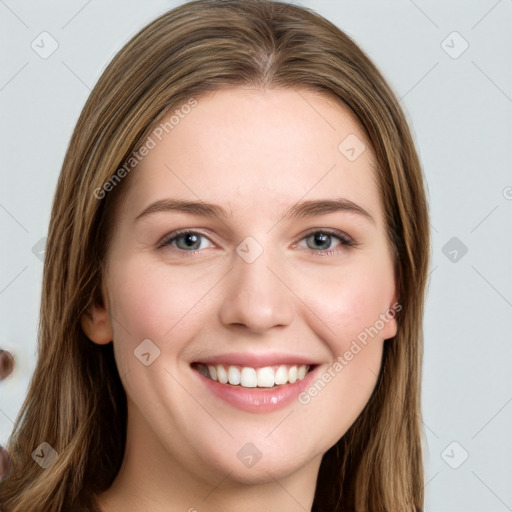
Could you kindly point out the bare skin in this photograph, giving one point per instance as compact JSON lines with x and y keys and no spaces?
{"x":255,"y":153}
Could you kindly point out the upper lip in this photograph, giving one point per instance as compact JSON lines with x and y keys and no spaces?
{"x":255,"y":360}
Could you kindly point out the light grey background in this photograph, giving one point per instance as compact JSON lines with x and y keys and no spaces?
{"x":460,"y":109}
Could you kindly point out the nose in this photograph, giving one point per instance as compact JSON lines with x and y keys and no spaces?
{"x":257,"y":296}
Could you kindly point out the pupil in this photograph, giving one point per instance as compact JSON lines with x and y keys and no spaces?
{"x":190,"y":240}
{"x":321,"y":238}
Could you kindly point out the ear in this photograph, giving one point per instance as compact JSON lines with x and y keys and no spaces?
{"x":97,"y":325}
{"x":390,"y":323}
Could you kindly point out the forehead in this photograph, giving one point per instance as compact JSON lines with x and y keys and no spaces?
{"x":259,"y":151}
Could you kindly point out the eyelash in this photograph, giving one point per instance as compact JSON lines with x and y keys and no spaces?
{"x":346,"y":242}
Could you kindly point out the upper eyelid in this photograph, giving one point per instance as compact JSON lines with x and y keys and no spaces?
{"x":328,"y":231}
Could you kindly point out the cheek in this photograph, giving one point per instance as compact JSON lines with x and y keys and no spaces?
{"x":153,"y":301}
{"x":350,"y":305}
{"x":348,"y":301}
{"x":150,"y":300}
{"x":142,"y":306}
{"x":351,"y":327}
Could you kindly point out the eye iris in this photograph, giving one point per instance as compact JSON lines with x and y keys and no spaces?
{"x":321,"y":239}
{"x":190,"y":240}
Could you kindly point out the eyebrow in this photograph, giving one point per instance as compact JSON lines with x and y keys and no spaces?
{"x":300,"y":210}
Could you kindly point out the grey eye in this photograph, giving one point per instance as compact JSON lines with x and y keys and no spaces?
{"x":320,"y":239}
{"x":190,"y":241}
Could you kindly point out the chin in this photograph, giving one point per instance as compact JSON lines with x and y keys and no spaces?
{"x":246,"y":466}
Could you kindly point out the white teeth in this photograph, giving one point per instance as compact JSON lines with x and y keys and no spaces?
{"x":281,"y":376}
{"x":265,"y":377}
{"x":222,"y":374}
{"x":213,"y":372}
{"x":234,"y":375}
{"x":248,"y":377}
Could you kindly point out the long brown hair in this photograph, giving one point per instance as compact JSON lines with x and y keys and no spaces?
{"x":76,"y":402}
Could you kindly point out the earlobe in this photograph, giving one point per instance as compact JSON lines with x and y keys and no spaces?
{"x":97,"y":325}
{"x":391,"y":327}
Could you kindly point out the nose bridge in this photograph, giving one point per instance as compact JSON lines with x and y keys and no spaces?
{"x":256,"y":297}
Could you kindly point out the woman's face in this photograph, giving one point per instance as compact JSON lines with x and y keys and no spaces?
{"x":281,"y":265}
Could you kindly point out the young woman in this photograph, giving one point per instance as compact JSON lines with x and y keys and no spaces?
{"x":234,"y":280}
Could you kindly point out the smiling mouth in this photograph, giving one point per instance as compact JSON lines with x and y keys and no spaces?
{"x":250,"y":377}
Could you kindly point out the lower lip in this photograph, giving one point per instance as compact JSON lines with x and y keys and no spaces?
{"x":260,"y":400}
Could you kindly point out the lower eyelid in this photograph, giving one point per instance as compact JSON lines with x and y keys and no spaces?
{"x":342,"y":245}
